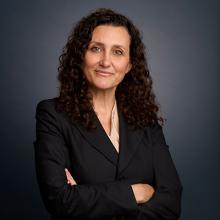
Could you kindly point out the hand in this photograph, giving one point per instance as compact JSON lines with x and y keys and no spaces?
{"x":142,"y":192}
{"x":69,"y":177}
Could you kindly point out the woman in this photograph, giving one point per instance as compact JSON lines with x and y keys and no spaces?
{"x":100,"y":151}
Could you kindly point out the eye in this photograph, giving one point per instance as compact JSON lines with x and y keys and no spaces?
{"x":95,"y":49}
{"x":118,"y":52}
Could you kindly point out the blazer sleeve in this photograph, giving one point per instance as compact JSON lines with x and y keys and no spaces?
{"x":86,"y":200}
{"x":166,"y":201}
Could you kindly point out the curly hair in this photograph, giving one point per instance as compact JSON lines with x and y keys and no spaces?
{"x":134,"y":94}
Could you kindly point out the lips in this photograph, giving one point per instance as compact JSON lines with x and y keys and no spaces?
{"x":103,"y":73}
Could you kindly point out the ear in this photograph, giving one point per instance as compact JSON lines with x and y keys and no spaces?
{"x":128,"y":68}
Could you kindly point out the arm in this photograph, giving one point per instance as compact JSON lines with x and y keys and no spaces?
{"x":61,"y":199}
{"x":142,"y":192}
{"x":166,"y":201}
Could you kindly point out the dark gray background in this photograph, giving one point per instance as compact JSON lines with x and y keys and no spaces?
{"x":182,"y":38}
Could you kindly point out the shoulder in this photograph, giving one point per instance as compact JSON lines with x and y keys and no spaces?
{"x":49,"y":104}
{"x":46,"y":110}
{"x":49,"y":119}
{"x":155,"y":134}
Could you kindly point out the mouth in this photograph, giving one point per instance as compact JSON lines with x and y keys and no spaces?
{"x":103,"y":73}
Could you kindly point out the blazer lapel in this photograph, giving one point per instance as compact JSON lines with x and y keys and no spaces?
{"x":99,"y":140}
{"x":129,"y":141}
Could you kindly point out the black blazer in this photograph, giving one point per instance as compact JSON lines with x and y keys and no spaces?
{"x":103,"y":175}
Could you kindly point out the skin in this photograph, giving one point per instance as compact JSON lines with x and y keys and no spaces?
{"x":107,"y":58}
{"x":106,"y":62}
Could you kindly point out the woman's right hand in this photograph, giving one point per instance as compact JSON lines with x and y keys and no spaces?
{"x":142,"y":192}
{"x":69,"y":178}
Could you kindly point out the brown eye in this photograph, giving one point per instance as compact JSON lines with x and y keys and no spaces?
{"x":118,"y":52}
{"x":95,"y":49}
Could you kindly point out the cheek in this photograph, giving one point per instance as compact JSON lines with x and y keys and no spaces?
{"x":123,"y":67}
{"x":90,"y":61}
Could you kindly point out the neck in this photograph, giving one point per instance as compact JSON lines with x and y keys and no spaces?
{"x":103,"y":101}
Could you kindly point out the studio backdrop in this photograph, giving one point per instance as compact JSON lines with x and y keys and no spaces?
{"x":182,"y":44}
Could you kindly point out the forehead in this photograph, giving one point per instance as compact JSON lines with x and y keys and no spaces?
{"x":111,"y":35}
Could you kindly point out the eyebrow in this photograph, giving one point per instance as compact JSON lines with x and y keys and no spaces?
{"x":101,"y":44}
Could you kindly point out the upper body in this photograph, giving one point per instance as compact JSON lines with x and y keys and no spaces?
{"x":104,"y":176}
{"x":87,"y":167}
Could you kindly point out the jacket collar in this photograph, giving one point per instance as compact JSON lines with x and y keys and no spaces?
{"x":99,"y":140}
{"x":128,"y":142}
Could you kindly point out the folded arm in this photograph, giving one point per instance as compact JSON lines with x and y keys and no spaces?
{"x":166,"y":201}
{"x":142,"y":191}
{"x":61,"y":199}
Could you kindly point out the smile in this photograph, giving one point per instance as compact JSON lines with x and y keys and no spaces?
{"x":103,"y":73}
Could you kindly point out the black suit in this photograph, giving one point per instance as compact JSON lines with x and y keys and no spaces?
{"x":103,"y":176}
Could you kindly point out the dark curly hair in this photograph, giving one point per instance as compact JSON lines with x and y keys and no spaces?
{"x":134,"y":94}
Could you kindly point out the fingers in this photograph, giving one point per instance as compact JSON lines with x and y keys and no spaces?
{"x":142,"y":192}
{"x":69,"y":177}
{"x":149,"y":191}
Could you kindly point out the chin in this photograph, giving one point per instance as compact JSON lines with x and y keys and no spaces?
{"x":103,"y":86}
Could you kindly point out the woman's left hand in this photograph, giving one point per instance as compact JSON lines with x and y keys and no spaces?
{"x":69,"y":177}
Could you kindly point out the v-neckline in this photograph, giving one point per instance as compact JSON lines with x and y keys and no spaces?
{"x":106,"y":135}
{"x":113,"y":135}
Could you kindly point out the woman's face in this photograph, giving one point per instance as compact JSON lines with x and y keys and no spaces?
{"x":107,"y":58}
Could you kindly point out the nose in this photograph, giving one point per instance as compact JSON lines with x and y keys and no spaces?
{"x":105,"y":60}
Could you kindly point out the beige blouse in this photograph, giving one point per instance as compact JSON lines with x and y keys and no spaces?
{"x":114,"y":132}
